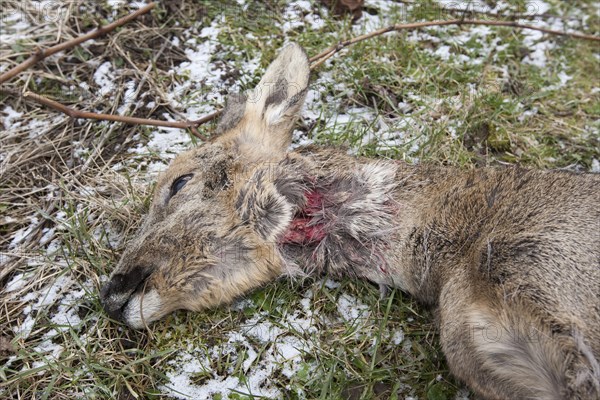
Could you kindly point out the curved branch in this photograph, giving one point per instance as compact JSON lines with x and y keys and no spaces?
{"x":40,"y":54}
{"x":73,"y":113}
{"x":324,"y":55}
{"x":192,"y":125}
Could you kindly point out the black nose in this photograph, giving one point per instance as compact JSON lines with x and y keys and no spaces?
{"x":112,"y":307}
{"x":115,"y":294}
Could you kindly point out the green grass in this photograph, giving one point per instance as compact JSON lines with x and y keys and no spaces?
{"x":457,"y":113}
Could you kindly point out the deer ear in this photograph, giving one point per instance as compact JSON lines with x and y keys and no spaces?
{"x":260,"y":122}
{"x":281,"y":92}
{"x":232,"y":113}
{"x":260,"y":206}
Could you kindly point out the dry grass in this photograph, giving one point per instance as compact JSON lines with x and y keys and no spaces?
{"x":75,"y":192}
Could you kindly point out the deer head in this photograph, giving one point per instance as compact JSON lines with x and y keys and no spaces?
{"x":218,"y":210}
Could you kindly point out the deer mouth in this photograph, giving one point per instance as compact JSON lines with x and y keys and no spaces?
{"x":113,"y":304}
{"x":119,"y":290}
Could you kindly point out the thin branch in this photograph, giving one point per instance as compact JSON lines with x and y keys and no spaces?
{"x":324,"y":55}
{"x":43,"y":53}
{"x":503,"y":17}
{"x":470,"y":10}
{"x":73,"y":113}
{"x":315,"y":62}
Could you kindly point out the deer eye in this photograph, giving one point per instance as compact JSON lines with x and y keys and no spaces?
{"x":180,"y":183}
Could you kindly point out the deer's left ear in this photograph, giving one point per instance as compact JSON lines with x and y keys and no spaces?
{"x":281,"y":92}
{"x":261,"y":122}
{"x":269,"y":198}
{"x":260,"y":206}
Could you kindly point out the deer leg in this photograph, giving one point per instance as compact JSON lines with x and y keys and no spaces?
{"x":489,"y":345}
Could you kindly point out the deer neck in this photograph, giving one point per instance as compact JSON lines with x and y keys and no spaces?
{"x":351,"y":220}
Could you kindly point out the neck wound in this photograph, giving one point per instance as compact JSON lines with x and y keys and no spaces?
{"x":305,"y":228}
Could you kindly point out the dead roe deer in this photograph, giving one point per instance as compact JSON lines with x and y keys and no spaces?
{"x":510,"y":249}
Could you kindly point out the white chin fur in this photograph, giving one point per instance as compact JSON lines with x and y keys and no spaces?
{"x":151,"y":307}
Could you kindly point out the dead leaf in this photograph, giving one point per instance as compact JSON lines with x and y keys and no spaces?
{"x":340,"y":8}
{"x":6,"y":347}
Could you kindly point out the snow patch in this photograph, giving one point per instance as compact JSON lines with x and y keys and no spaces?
{"x":59,"y":291}
{"x":352,"y":309}
{"x":104,"y":77}
{"x":22,"y":234}
{"x":281,"y":348}
{"x":17,"y":282}
{"x":534,"y":41}
{"x":299,"y":14}
{"x":128,"y":98}
{"x":397,"y":337}
{"x":11,"y":118}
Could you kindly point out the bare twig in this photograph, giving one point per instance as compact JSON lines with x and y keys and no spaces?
{"x":315,"y":62}
{"x":324,"y":55}
{"x":192,"y":125}
{"x":503,"y":17}
{"x":470,"y":10}
{"x":43,"y":53}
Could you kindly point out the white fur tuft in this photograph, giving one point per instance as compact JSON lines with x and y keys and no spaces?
{"x":151,"y":304}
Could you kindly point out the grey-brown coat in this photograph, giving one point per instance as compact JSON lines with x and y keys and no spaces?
{"x":509,"y":258}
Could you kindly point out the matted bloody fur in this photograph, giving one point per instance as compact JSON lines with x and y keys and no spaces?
{"x":509,"y":248}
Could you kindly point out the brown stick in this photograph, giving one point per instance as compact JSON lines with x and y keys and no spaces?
{"x":315,"y":61}
{"x":121,"y":118}
{"x":43,"y":53}
{"x":324,"y":55}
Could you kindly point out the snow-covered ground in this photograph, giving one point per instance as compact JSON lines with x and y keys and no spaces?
{"x":282,"y":347}
{"x":269,"y":350}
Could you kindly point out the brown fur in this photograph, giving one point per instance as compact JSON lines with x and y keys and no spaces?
{"x":508,"y":257}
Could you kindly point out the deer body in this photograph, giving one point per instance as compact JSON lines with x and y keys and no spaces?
{"x":509,"y":258}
